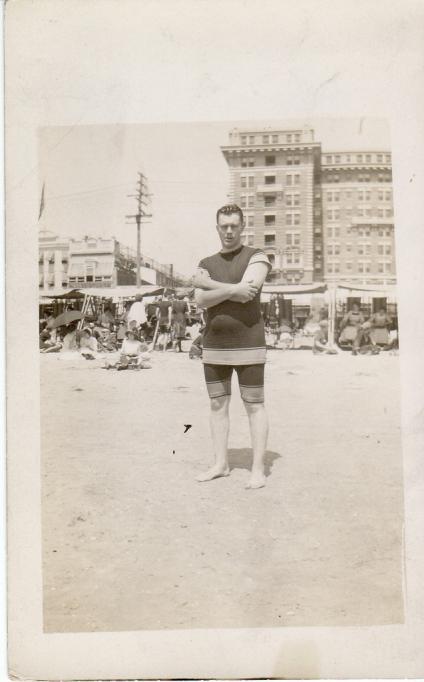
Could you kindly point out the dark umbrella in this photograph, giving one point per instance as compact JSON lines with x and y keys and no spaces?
{"x":65,"y":318}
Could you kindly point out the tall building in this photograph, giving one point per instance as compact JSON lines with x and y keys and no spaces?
{"x":358,"y":217}
{"x":275,"y":178}
{"x":320,"y":216}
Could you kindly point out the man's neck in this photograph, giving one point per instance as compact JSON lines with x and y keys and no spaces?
{"x":230,"y":250}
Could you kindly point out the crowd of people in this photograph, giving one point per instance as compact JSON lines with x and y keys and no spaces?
{"x":128,"y":331}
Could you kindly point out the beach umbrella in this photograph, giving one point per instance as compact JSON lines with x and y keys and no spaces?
{"x":65,"y":318}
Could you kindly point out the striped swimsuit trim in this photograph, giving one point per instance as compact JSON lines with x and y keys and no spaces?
{"x":234,"y":356}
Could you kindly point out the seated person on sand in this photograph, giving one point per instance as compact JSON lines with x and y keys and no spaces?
{"x":350,"y":324}
{"x":134,"y":352}
{"x":70,"y":339}
{"x":321,"y":344}
{"x":364,"y":343}
{"x":88,"y":344}
{"x":48,"y":344}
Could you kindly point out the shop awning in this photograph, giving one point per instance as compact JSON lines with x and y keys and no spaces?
{"x":110,"y":292}
{"x":316,"y":288}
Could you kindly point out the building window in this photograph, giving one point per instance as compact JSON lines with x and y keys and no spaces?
{"x":348,"y":266}
{"x":243,"y":201}
{"x":247,"y":163}
{"x":337,"y":214}
{"x":250,"y":201}
{"x":270,"y":160}
{"x":379,"y":158}
{"x":367,"y":196}
{"x":292,"y":218}
{"x":297,"y":137}
{"x":243,"y":181}
{"x":293,"y":199}
{"x":292,"y":239}
{"x":389,"y":212}
{"x":388,"y":196}
{"x":349,"y":247}
{"x":330,"y":214}
{"x":265,"y":139}
{"x":251,"y":181}
{"x":251,"y":139}
{"x":359,"y":158}
{"x":368,"y":158}
{"x":270,"y":179}
{"x":289,"y":138}
{"x":250,"y":221}
{"x":388,"y":158}
{"x":329,"y":159}
{"x":243,"y":139}
{"x":275,"y":139}
{"x":269,"y":200}
{"x":269,"y":239}
{"x":347,"y":158}
{"x":269,"y":220}
{"x":380,"y":213}
{"x":250,"y":239}
{"x":380,"y":195}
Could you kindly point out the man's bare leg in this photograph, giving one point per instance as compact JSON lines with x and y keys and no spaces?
{"x":258,"y":422}
{"x":220,"y":426}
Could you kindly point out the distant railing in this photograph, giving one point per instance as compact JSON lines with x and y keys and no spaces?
{"x":130,"y":255}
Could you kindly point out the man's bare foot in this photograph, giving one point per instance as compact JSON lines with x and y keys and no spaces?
{"x":214,"y":472}
{"x":257,"y":480}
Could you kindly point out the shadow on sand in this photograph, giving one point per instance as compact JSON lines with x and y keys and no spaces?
{"x":242,"y":458}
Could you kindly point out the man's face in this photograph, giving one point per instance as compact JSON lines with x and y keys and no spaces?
{"x":230,"y":228}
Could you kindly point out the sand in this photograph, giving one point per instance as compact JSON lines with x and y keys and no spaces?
{"x":131,"y":541}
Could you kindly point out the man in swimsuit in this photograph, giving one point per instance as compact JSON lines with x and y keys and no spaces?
{"x":228,"y":286}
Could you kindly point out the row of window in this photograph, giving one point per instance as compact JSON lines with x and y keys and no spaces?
{"x":361,"y":195}
{"x":273,"y":138}
{"x":353,"y":176}
{"x":334,"y":214}
{"x":362,"y":267}
{"x":361,"y":249}
{"x":358,"y":158}
{"x":361,"y":232}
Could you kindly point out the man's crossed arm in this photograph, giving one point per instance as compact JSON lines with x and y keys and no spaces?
{"x":209,"y":292}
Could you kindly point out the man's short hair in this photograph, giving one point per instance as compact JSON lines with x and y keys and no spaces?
{"x":229,"y":209}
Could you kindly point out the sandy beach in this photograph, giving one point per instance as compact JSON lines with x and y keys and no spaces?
{"x":131,"y":541}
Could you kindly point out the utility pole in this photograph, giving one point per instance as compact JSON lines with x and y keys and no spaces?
{"x":142,"y":197}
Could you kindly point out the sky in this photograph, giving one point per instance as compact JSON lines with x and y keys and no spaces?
{"x":89,"y":171}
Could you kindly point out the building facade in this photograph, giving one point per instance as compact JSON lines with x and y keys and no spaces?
{"x":358,"y":223}
{"x":320,"y":216}
{"x":95,"y":262}
{"x":275,"y":178}
{"x":53,"y":261}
